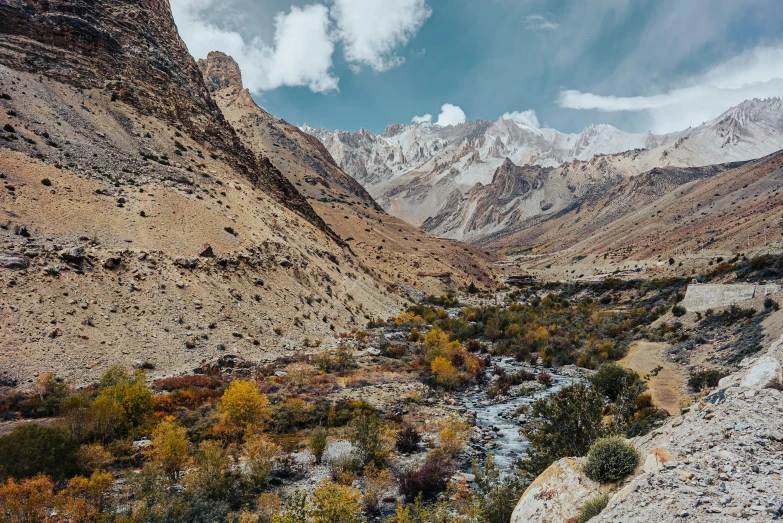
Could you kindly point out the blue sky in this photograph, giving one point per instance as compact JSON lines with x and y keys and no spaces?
{"x":636,"y":64}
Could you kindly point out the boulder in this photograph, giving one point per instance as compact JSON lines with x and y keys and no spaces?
{"x":13,"y":261}
{"x":73,"y":255}
{"x":657,"y":459}
{"x":765,"y":373}
{"x":556,"y":495}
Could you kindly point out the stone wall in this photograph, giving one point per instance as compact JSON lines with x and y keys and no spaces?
{"x":702,"y":297}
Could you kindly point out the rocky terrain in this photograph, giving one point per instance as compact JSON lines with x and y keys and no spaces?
{"x":140,"y":229}
{"x":718,"y":461}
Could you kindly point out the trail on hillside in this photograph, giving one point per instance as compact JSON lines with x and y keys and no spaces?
{"x":668,"y":388}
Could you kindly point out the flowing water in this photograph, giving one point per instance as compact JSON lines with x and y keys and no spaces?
{"x":499,"y":416}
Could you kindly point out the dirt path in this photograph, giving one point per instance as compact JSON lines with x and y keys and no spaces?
{"x":668,"y":388}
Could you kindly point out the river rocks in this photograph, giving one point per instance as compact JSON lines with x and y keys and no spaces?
{"x":556,"y":495}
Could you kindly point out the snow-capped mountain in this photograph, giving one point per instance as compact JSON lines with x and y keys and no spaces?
{"x":446,"y":178}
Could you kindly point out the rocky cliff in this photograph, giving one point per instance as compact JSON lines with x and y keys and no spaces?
{"x":132,"y":52}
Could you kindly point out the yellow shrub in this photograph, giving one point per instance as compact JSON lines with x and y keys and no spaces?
{"x":445,"y":373}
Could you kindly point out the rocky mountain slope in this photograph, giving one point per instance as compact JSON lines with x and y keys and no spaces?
{"x":137,"y":227}
{"x":444,"y":177}
{"x":394,"y":251}
{"x":718,"y":461}
{"x":691,"y":215}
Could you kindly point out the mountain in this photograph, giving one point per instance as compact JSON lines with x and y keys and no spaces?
{"x":443,"y":178}
{"x":140,"y":228}
{"x":393,"y":251}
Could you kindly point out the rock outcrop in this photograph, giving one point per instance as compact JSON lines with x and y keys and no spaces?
{"x":719,"y":461}
{"x":556,"y":495}
{"x":132,"y":50}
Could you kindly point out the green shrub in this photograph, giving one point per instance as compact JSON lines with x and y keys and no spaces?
{"x":610,"y":460}
{"x":33,"y":449}
{"x":593,"y":507}
{"x":705,"y":379}
{"x":612,"y":380}
{"x":47,"y":182}
{"x":317,"y":443}
{"x":679,"y":310}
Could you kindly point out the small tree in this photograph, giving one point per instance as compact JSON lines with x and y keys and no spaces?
{"x":371,"y":439}
{"x":408,"y":439}
{"x":445,"y":374}
{"x":244,"y":407}
{"x":498,"y":493}
{"x":260,"y":453}
{"x":33,"y":449}
{"x":170,"y":447}
{"x":568,"y":423}
{"x":318,"y":443}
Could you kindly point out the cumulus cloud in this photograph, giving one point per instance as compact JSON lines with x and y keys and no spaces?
{"x":528,"y":118}
{"x":540,"y":23}
{"x":301,"y":54}
{"x":757,"y":73}
{"x":450,"y":115}
{"x":421,"y":119}
{"x":371,"y":30}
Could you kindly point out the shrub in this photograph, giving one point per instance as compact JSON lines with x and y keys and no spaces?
{"x":318,"y":443}
{"x":371,"y":440}
{"x":705,"y":379}
{"x":336,"y":504}
{"x":679,"y":310}
{"x":567,"y":424}
{"x":593,"y":507}
{"x":610,"y":460}
{"x":769,"y":303}
{"x":377,"y":482}
{"x":544,"y":378}
{"x":612,"y":379}
{"x":344,"y":467}
{"x":408,"y":439}
{"x":260,"y":453}
{"x":33,"y":449}
{"x":445,"y":373}
{"x":428,"y":480}
{"x":46,"y":182}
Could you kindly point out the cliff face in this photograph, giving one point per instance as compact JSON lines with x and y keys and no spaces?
{"x":269,"y":136}
{"x":133,"y":50}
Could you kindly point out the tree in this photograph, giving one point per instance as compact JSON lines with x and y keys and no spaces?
{"x":334,"y":503}
{"x":568,"y":423}
{"x":244,"y":407}
{"x":318,"y":443}
{"x":170,"y":447}
{"x":445,"y":374}
{"x":124,"y":402}
{"x":33,"y":449}
{"x":209,"y":479}
{"x":29,"y":501}
{"x":498,"y":493}
{"x":371,"y":439}
{"x":472,"y":289}
{"x":260,"y":453}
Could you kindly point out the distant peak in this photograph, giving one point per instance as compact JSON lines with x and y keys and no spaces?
{"x":220,"y":71}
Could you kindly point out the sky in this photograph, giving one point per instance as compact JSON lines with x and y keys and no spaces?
{"x":640,"y":65}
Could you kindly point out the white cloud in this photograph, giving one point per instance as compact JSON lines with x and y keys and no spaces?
{"x":540,"y":23}
{"x":450,"y":115}
{"x":757,"y":73}
{"x":421,"y":119}
{"x":301,"y":54}
{"x":528,"y":118}
{"x":371,"y":30}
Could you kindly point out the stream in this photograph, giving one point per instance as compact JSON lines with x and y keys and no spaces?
{"x":496,"y":417}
